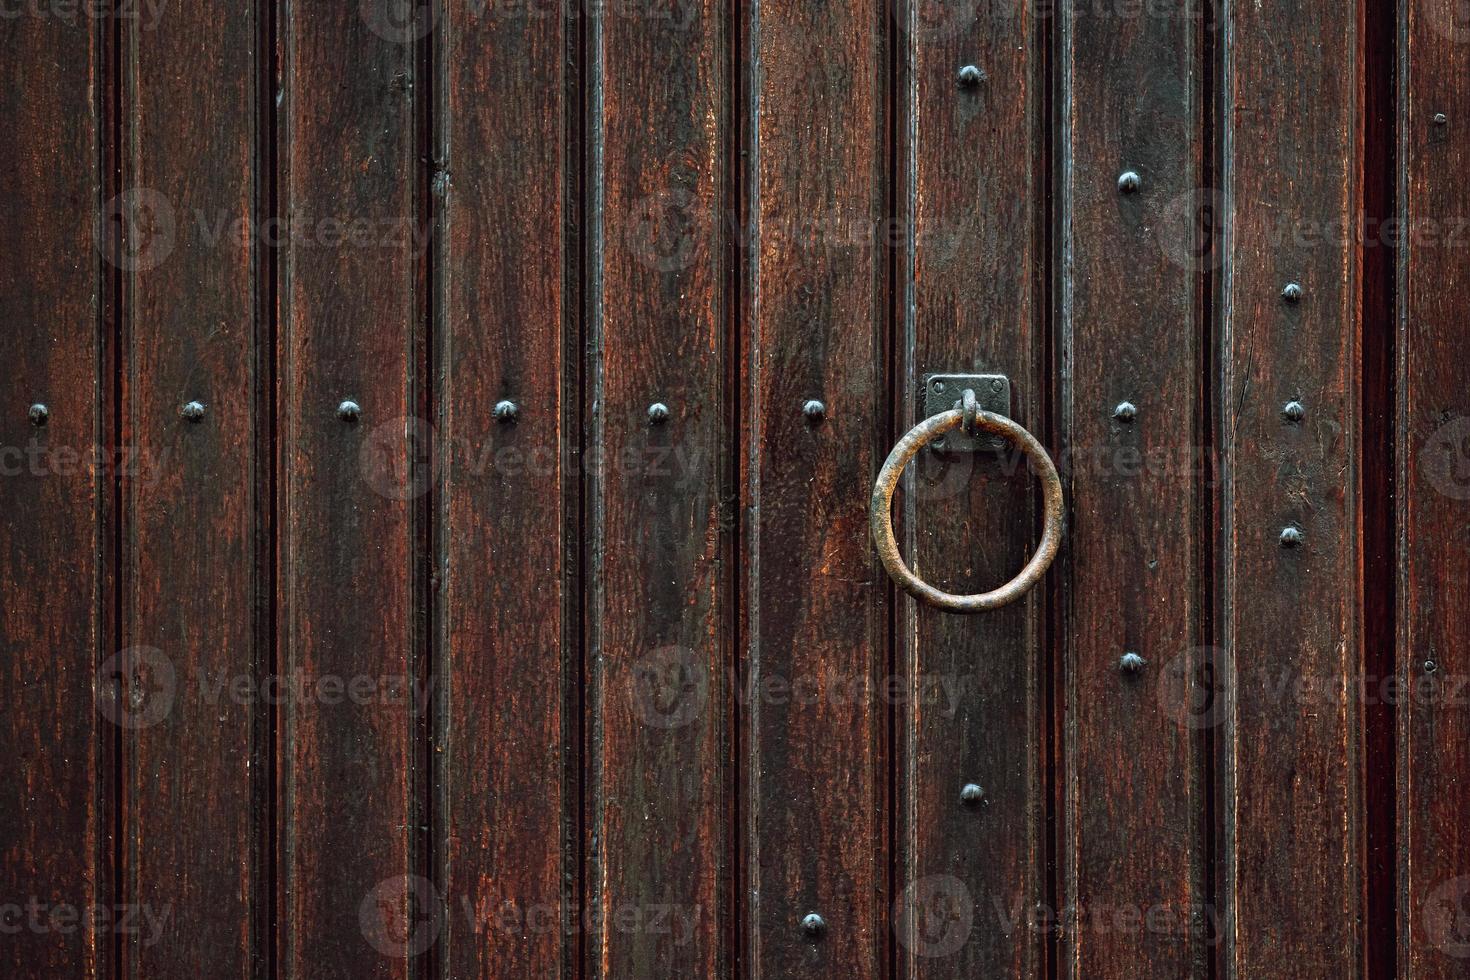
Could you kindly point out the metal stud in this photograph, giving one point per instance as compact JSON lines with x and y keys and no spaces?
{"x":1294,"y":411}
{"x":38,"y":414}
{"x":506,"y":411}
{"x":658,"y":412}
{"x":1125,"y":412}
{"x":192,"y":412}
{"x":813,"y":925}
{"x":1292,"y":293}
{"x":971,"y":794}
{"x":1440,"y":119}
{"x":814,"y":410}
{"x":349,"y":411}
{"x":1430,"y":666}
{"x":1130,"y":182}
{"x":971,"y":75}
{"x":1291,"y":537}
{"x":1131,"y":663}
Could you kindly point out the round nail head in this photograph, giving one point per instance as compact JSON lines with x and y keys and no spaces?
{"x":1440,"y":119}
{"x":658,"y":412}
{"x":349,"y":411}
{"x":814,"y":410}
{"x":971,"y":75}
{"x":1292,"y":293}
{"x":1291,"y":537}
{"x":971,"y":794}
{"x":1125,"y":412}
{"x":193,"y":411}
{"x":813,"y":925}
{"x":506,"y":410}
{"x":1130,"y":182}
{"x":38,"y":414}
{"x":1131,"y":663}
{"x":1294,"y":411}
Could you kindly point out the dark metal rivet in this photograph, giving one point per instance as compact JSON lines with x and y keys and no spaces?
{"x":1125,"y":412}
{"x":1131,"y":663}
{"x":971,"y":75}
{"x":658,"y":412}
{"x":506,"y":411}
{"x":1130,"y":182}
{"x":814,"y":410}
{"x":193,"y":412}
{"x":1440,"y":119}
{"x":813,"y":925}
{"x":1291,"y":537}
{"x":38,"y":414}
{"x":1294,"y":411}
{"x":1292,"y":293}
{"x":349,"y":411}
{"x":1430,"y":666}
{"x":971,"y":794}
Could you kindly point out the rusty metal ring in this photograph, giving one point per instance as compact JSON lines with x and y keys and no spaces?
{"x":880,"y":516}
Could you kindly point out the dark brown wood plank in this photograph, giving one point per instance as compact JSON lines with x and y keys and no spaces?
{"x":352,"y":904}
{"x":509,"y":539}
{"x":1131,"y":333}
{"x":659,"y":561}
{"x":813,"y":691}
{"x":53,"y":627}
{"x":192,"y":835}
{"x":1433,"y":438}
{"x":1292,"y":881}
{"x":970,"y":877}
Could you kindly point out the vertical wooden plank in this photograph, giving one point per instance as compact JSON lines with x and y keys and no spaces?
{"x":191,"y":830}
{"x":1433,"y":440}
{"x":508,"y":537}
{"x":1292,"y":876}
{"x":52,"y":491}
{"x":1131,"y":334}
{"x":352,"y":904}
{"x":971,"y":876}
{"x":813,"y":691}
{"x":658,"y":619}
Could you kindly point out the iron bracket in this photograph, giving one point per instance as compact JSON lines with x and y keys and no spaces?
{"x":942,"y":394}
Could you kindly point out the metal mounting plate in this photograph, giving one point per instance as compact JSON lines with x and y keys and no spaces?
{"x":942,"y":392}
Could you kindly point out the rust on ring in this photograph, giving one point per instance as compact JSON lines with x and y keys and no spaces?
{"x":880,"y":517}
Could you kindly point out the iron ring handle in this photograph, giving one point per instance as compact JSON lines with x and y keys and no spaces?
{"x":880,"y":516}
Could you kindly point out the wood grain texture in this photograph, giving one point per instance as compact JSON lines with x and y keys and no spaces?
{"x":352,"y":904}
{"x":659,"y":521}
{"x":813,"y":691}
{"x":1292,"y":879}
{"x":510,"y":650}
{"x":192,"y":834}
{"x":972,"y":273}
{"x":54,"y":738}
{"x":1130,"y":332}
{"x":1433,"y":440}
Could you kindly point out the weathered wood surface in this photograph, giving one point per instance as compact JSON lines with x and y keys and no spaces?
{"x":814,"y":816}
{"x":1291,"y":883}
{"x":1133,"y":412}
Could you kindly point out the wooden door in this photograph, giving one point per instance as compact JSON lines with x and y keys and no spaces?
{"x":435,"y":463}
